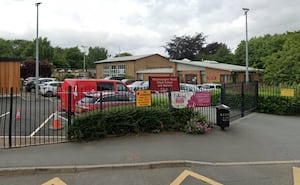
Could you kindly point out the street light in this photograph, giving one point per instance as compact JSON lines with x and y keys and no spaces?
{"x":37,"y":49}
{"x":247,"y":71}
{"x":84,"y":57}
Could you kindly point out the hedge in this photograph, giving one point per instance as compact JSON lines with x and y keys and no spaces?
{"x":99,"y":124}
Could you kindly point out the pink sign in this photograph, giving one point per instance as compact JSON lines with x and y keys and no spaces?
{"x":200,"y":99}
{"x":191,"y":99}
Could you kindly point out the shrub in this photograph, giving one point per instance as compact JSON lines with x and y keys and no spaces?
{"x":98,"y":124}
{"x":197,"y":125}
{"x":279,"y":105}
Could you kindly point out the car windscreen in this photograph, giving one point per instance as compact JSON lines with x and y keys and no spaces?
{"x":88,"y":99}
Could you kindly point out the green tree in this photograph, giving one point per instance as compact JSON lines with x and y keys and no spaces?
{"x":284,"y":66}
{"x":123,"y":54}
{"x":59,"y":59}
{"x":95,"y":54}
{"x":216,"y":51}
{"x":6,"y":49}
{"x":185,"y":46}
{"x":74,"y":57}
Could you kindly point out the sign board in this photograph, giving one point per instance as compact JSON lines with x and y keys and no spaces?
{"x":287,"y":92}
{"x":191,"y":99}
{"x":143,"y":98}
{"x":163,"y":83}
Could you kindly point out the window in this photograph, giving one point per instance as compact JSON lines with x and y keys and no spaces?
{"x":226,"y":78}
{"x":114,"y":70}
{"x":105,"y":86}
{"x":121,"y":87}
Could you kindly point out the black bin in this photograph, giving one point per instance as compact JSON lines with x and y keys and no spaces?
{"x":223,"y":116}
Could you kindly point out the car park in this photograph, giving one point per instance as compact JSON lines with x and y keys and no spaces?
{"x":49,"y":88}
{"x":30,"y":87}
{"x":102,"y":100}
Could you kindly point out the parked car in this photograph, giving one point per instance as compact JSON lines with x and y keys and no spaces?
{"x":184,"y":87}
{"x":114,"y":78}
{"x":137,"y":85}
{"x":30,"y":87}
{"x":80,"y":86}
{"x":210,"y":86}
{"x":128,"y":81}
{"x":49,"y":88}
{"x":98,"y":100}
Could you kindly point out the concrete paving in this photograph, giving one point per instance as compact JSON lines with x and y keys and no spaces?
{"x":254,"y":139}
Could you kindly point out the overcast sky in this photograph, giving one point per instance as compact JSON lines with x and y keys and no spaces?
{"x":144,"y":26}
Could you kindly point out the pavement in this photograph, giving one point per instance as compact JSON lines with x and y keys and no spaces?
{"x":253,"y":140}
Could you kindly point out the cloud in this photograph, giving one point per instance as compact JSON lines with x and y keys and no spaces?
{"x":143,"y":27}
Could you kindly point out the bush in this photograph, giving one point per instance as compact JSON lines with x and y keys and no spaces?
{"x":95,"y":125}
{"x":279,"y":105}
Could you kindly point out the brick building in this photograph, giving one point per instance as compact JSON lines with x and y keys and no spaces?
{"x":140,"y":67}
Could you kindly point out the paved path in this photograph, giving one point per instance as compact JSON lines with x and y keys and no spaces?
{"x":257,"y":138}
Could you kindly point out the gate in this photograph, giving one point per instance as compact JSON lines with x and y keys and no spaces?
{"x":27,"y":119}
{"x":242,"y":98}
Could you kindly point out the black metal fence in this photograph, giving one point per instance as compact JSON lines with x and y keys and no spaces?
{"x":242,"y":98}
{"x":28,"y":119}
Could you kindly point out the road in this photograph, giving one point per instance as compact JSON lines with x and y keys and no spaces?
{"x":228,"y":175}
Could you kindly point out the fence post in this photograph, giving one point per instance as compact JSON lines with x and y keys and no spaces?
{"x":223,"y":93}
{"x":170,"y":99}
{"x":256,"y":95}
{"x":10,"y":118}
{"x":243,"y":100}
{"x":69,"y":104}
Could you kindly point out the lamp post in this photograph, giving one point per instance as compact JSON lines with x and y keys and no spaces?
{"x":247,"y":71}
{"x":84,"y":57}
{"x":37,"y":49}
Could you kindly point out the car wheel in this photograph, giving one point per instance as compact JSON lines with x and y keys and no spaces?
{"x":32,"y":90}
{"x":48,"y":94}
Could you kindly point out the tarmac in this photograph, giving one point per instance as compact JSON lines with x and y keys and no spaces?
{"x":253,"y":140}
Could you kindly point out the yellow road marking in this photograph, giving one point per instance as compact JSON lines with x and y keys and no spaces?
{"x":55,"y":181}
{"x":296,"y":174}
{"x":187,"y":173}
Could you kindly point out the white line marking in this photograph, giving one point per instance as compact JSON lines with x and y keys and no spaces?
{"x":2,"y":115}
{"x":42,"y":125}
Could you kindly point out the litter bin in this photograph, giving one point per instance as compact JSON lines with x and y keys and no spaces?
{"x":223,"y":116}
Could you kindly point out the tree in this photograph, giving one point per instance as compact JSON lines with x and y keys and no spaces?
{"x":185,"y":46}
{"x":28,"y":69}
{"x":59,"y":59}
{"x":284,"y":66}
{"x":74,"y":57}
{"x":95,"y":54}
{"x":6,"y":49}
{"x":123,"y":54}
{"x":216,"y":51}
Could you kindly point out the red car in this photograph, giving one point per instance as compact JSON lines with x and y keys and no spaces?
{"x":103,"y":100}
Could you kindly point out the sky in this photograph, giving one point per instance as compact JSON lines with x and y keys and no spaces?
{"x":144,"y":26}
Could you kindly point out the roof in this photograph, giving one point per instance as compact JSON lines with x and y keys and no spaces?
{"x":215,"y":65}
{"x":156,"y":70}
{"x":126,"y":58}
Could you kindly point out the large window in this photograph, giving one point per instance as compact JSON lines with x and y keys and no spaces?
{"x":114,"y":70}
{"x":226,"y":78}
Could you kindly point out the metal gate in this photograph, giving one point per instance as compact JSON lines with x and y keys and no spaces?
{"x":242,"y":98}
{"x":27,"y":119}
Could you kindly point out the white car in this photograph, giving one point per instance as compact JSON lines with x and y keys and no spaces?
{"x":210,"y":86}
{"x":49,"y":88}
{"x":184,"y":87}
